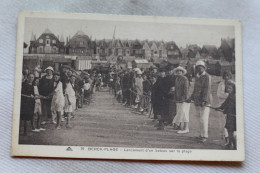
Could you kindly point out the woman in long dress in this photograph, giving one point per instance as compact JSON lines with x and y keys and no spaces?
{"x":181,"y":95}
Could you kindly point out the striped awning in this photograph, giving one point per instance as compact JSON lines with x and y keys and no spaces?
{"x":84,"y":64}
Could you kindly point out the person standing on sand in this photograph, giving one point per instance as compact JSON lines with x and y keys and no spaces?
{"x":202,"y":98}
{"x":57,"y":103}
{"x":180,"y":96}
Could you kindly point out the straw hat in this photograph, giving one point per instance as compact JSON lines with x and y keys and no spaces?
{"x":139,"y":72}
{"x":136,"y":69}
{"x":200,"y":63}
{"x":49,"y":68}
{"x":180,"y":68}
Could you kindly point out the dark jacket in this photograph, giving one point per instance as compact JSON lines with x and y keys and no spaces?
{"x":147,"y":86}
{"x":229,"y":106}
{"x":46,"y":86}
{"x":159,"y":92}
{"x":202,"y":90}
{"x":125,"y":81}
{"x":169,"y":82}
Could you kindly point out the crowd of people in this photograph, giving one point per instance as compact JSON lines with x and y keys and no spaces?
{"x":51,"y":97}
{"x":165,"y":93}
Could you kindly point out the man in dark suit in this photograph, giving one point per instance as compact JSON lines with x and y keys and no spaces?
{"x":159,"y":99}
{"x":169,"y":86}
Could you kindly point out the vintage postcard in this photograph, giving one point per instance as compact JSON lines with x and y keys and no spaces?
{"x":128,"y":87}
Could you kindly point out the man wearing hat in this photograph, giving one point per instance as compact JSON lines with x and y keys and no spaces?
{"x":46,"y":87}
{"x":160,"y":99}
{"x":202,"y":97}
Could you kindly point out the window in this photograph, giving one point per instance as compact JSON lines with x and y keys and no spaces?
{"x":120,"y":52}
{"x":47,"y":42}
{"x":40,"y":41}
{"x":155,"y":52}
{"x":81,"y":43}
{"x":54,"y":41}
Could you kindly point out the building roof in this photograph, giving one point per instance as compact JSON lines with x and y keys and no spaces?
{"x":137,"y":45}
{"x":80,"y":32}
{"x":47,"y":31}
{"x":33,"y":38}
{"x":154,"y":46}
{"x":146,"y":46}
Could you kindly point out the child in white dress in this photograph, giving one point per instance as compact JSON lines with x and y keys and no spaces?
{"x":38,"y":105}
{"x":70,"y":102}
{"x":57,"y":103}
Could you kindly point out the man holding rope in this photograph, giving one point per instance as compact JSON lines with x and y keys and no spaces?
{"x":202,"y":98}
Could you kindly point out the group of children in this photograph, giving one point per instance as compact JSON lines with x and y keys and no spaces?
{"x":51,"y":97}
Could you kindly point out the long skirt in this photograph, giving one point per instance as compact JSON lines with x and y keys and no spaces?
{"x":182,"y":115}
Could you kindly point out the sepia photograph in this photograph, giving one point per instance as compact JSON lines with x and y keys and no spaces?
{"x":128,"y":87}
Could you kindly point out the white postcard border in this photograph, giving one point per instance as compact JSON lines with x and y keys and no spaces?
{"x":109,"y":152}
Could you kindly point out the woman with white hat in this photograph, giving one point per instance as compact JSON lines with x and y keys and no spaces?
{"x":180,"y":96}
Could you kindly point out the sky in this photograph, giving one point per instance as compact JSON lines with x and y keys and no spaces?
{"x":182,"y":34}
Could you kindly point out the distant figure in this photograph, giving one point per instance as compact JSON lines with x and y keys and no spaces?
{"x":87,"y":90}
{"x":139,"y":90}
